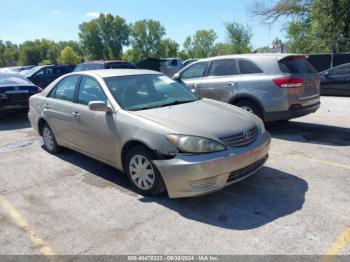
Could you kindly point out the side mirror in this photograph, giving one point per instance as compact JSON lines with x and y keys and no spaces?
{"x":177,"y":77}
{"x":99,"y":106}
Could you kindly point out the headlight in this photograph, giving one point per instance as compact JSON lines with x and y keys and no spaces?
{"x":195,"y":144}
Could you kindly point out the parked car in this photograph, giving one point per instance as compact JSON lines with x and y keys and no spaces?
{"x":15,"y":91}
{"x":188,"y":62}
{"x":336,"y":80}
{"x":272,"y":86}
{"x":170,"y":66}
{"x":112,"y":64}
{"x":159,"y":133}
{"x":43,"y":75}
{"x":14,"y":69}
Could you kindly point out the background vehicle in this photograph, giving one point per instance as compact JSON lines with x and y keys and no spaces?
{"x":112,"y":64}
{"x":188,"y":62}
{"x":170,"y":66}
{"x":153,"y":128}
{"x":15,"y":91}
{"x":336,"y":80}
{"x":43,"y":75}
{"x":272,"y":86}
{"x":14,"y":69}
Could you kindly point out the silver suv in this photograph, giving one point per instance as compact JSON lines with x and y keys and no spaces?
{"x":273,"y":86}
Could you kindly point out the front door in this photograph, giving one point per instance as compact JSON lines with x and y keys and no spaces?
{"x":96,"y":132}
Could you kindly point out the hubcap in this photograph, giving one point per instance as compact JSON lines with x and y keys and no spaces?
{"x":141,"y":172}
{"x":248,"y":109}
{"x":48,"y":139}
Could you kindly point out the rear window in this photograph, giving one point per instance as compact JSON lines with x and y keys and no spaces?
{"x":119,"y":65}
{"x":296,"y":65}
{"x":247,"y":67}
{"x":84,"y":67}
{"x":223,"y":68}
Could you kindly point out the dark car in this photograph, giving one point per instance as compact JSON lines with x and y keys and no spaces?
{"x":15,"y":91}
{"x":336,"y":80}
{"x":43,"y":75}
{"x":112,"y":64}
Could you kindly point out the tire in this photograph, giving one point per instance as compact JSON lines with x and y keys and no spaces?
{"x":151,"y":183}
{"x":50,"y":140}
{"x":250,"y":106}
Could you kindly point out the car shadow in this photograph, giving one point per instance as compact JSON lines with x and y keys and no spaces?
{"x":13,"y":121}
{"x":310,"y":133}
{"x":262,"y":198}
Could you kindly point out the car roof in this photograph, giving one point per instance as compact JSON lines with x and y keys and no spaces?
{"x":104,"y":62}
{"x":278,"y":56}
{"x":116,"y":72}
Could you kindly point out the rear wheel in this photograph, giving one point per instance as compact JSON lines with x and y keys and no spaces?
{"x":143,"y":175}
{"x":50,"y":140}
{"x":250,"y":106}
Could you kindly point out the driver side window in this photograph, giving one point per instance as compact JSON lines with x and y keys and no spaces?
{"x":90,"y":90}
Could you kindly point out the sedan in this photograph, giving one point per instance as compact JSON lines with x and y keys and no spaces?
{"x":162,"y":136}
{"x":336,"y":80}
{"x":15,"y":91}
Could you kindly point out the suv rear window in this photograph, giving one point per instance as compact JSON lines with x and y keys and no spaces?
{"x":296,"y":65}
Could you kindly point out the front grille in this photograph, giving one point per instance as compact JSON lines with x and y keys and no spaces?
{"x":243,"y":138}
{"x":246,"y":171}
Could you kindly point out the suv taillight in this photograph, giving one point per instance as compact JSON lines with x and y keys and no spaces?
{"x":288,"y":82}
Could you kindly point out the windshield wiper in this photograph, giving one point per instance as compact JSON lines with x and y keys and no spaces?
{"x":176,"y":102}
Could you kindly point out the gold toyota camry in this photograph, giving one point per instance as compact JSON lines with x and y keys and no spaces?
{"x":162,"y":136}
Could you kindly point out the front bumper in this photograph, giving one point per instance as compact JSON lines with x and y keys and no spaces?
{"x":192,"y":175}
{"x":291,"y":113}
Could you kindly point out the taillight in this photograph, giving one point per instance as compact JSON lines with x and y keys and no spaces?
{"x":288,"y":82}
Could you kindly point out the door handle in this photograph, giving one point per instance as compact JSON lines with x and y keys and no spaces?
{"x":195,"y":85}
{"x":232,"y":83}
{"x":76,"y":115}
{"x":47,"y":106}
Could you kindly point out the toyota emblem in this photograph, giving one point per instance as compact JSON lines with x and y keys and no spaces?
{"x":246,"y":134}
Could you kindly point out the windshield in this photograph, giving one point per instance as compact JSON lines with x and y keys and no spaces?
{"x":29,"y":72}
{"x":148,"y":91}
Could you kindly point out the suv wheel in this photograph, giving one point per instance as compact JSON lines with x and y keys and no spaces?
{"x":250,"y":107}
{"x":143,"y":175}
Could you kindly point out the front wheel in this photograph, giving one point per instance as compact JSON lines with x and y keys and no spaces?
{"x":142,"y":174}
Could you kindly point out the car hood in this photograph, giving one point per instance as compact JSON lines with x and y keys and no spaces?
{"x":206,"y":118}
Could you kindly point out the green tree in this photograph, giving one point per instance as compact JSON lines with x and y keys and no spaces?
{"x":146,"y":40}
{"x":104,"y":37}
{"x":201,"y":44}
{"x":168,"y":48}
{"x":8,"y":53}
{"x":239,"y":37}
{"x":29,"y":54}
{"x":91,"y":40}
{"x":114,"y":33}
{"x":312,"y":25}
{"x":68,"y":56}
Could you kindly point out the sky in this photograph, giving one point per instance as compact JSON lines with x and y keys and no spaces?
{"x":22,"y":20}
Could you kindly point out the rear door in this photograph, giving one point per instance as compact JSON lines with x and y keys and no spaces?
{"x":222,"y":81}
{"x":193,"y":75}
{"x":297,"y":67}
{"x":58,"y":110}
{"x":96,"y":132}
